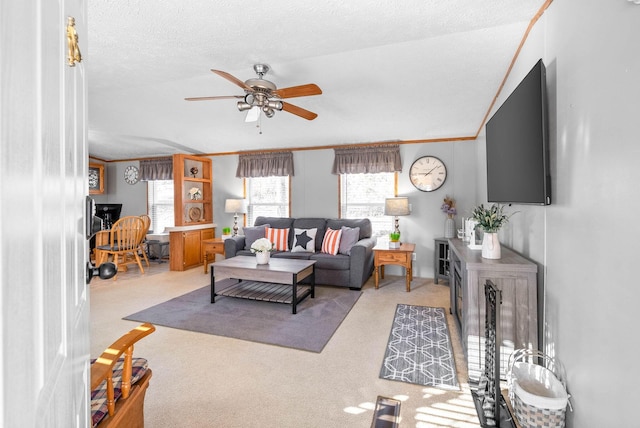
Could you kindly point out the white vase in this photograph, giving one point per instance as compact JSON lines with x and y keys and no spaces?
{"x":263,"y":258}
{"x":449,"y":228}
{"x":491,"y":246}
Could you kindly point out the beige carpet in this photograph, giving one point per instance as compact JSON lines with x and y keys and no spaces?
{"x":201,"y":380}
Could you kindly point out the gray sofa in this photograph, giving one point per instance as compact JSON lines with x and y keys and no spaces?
{"x":349,"y":268}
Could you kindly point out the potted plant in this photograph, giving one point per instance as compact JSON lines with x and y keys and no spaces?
{"x":449,"y":208}
{"x":226,"y":233}
{"x":490,"y":220}
{"x":262,"y":248}
{"x":394,"y":240}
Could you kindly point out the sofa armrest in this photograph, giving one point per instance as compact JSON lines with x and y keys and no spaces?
{"x":233,"y":245}
{"x":361,"y":262}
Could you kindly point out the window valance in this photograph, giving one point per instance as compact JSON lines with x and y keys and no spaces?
{"x":156,"y":169}
{"x":274,"y":164}
{"x":367,"y":160}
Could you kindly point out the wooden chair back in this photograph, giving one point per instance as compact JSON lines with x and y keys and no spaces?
{"x":125,"y":238}
{"x":102,"y":369}
{"x":146,"y":220}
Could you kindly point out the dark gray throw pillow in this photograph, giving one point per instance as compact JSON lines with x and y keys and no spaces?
{"x":252,"y":234}
{"x":350,"y":235}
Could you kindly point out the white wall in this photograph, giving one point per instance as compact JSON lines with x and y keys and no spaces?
{"x":584,"y":241}
{"x":133,"y":197}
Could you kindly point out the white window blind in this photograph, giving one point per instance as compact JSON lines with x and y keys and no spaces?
{"x":268,"y":196}
{"x":160,"y":204}
{"x":363,"y":195}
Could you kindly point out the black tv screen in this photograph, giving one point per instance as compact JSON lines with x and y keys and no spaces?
{"x":517,"y":145}
{"x":109,"y":213}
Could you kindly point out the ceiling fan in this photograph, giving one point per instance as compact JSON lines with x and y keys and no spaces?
{"x":263,"y":95}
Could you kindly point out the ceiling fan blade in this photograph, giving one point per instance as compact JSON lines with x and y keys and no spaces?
{"x":223,"y":97}
{"x":298,"y":91}
{"x":298,"y":111}
{"x":233,"y":79}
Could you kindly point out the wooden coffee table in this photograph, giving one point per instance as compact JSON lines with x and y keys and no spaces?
{"x":278,"y":281}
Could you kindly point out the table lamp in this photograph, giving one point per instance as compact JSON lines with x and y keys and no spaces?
{"x":235,"y":206}
{"x":396,"y":207}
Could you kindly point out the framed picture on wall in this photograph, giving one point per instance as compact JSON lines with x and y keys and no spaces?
{"x":96,"y":179}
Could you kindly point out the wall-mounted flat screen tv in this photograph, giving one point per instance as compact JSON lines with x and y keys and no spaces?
{"x":517,"y":145}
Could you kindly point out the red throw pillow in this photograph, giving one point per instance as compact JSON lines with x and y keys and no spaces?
{"x":279,"y":237}
{"x":331,"y":241}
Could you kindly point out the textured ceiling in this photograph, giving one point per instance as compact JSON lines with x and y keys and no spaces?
{"x":389,"y":71}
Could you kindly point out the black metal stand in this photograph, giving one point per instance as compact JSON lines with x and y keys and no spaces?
{"x":490,"y":404}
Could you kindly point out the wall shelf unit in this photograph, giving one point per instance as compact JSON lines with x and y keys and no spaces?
{"x":193,"y":214}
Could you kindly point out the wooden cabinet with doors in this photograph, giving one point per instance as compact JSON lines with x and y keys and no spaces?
{"x":185,"y":247}
{"x":193,"y":211}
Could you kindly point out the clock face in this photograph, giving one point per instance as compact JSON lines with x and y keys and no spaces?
{"x":428,"y":173}
{"x":131,"y":174}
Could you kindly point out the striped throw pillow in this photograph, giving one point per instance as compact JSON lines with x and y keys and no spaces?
{"x":280,"y":237}
{"x":331,"y":241}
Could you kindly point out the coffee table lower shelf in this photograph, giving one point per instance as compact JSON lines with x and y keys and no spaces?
{"x":266,"y":292}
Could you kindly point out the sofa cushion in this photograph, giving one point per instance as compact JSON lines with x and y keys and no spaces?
{"x":363,"y":223}
{"x":279,"y":237}
{"x":275,"y":222}
{"x":304,"y":240}
{"x":350,"y":235}
{"x":252,"y":234}
{"x":331,"y":241}
{"x":327,"y":261}
{"x":290,"y":255}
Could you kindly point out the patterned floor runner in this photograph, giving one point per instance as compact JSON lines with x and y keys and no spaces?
{"x":419,"y":348}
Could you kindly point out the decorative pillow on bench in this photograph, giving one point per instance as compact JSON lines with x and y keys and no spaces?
{"x":99,"y":409}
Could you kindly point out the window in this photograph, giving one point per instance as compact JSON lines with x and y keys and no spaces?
{"x":267,"y":196}
{"x":363,"y":195}
{"x":160,"y":204}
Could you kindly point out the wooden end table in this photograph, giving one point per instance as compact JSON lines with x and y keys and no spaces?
{"x":213,"y":246}
{"x":383,"y":255}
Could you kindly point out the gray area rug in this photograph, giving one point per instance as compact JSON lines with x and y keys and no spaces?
{"x":419,"y":348}
{"x":265,"y":322}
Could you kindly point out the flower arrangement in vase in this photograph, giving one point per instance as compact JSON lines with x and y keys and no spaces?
{"x":449,"y":208}
{"x":262,"y":248}
{"x":490,"y":220}
{"x":195,"y":194}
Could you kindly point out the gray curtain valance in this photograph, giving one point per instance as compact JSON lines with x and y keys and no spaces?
{"x":276,"y":164}
{"x":156,"y":169}
{"x":367,"y":160}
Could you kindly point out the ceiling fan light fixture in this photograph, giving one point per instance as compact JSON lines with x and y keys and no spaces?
{"x":250,"y":99}
{"x":277,"y":105}
{"x":242,"y":106}
{"x":268,"y":112}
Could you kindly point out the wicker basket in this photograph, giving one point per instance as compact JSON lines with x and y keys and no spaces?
{"x":538,"y":393}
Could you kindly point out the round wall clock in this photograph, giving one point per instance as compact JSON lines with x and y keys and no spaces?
{"x":131,"y":174}
{"x":428,"y":173}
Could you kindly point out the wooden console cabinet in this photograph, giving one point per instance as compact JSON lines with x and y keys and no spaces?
{"x":517,"y":278}
{"x":185,"y":247}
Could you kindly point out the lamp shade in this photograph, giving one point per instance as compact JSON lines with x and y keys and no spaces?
{"x":396,"y":206}
{"x":235,"y":206}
